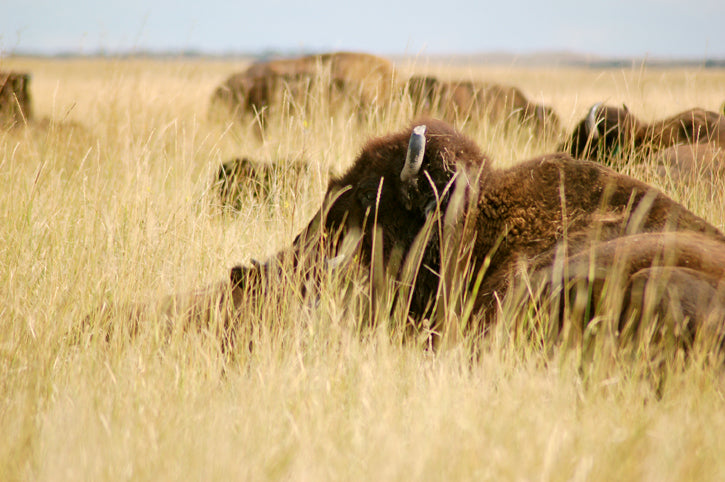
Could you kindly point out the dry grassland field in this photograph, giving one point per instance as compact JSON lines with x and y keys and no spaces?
{"x":110,"y":201}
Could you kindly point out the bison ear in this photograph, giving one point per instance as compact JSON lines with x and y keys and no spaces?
{"x":540,"y":112}
{"x":413,"y":162}
{"x":237,"y":276}
{"x":245,"y":277}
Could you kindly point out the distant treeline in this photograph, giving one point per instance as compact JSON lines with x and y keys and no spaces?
{"x":538,"y":59}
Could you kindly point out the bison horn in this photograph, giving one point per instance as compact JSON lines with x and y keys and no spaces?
{"x":592,"y":121}
{"x":540,"y":113}
{"x":335,"y":262}
{"x":414,"y":157}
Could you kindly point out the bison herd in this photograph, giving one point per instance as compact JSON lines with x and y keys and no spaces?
{"x":462,"y":244}
{"x":457,"y":238}
{"x":368,"y":83}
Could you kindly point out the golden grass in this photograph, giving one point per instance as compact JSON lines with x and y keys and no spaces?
{"x":111,"y":203}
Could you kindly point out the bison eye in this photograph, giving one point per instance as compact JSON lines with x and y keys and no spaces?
{"x":368,"y":197}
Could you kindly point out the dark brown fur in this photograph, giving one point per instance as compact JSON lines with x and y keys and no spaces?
{"x":15,"y":102}
{"x":525,"y":216}
{"x":676,"y":279}
{"x":468,"y":100}
{"x":620,"y":133}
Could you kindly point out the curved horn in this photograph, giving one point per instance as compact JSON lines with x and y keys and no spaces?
{"x":336,"y":262}
{"x":540,"y":112}
{"x":414,"y":157}
{"x":592,"y":121}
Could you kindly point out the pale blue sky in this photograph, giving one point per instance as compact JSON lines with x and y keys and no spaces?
{"x":655,"y":28}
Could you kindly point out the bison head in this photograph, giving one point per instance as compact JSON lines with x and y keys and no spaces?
{"x":385,"y":199}
{"x":604,"y":133}
{"x":397,"y":182}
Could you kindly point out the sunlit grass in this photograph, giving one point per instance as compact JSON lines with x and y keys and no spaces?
{"x":112,"y":203}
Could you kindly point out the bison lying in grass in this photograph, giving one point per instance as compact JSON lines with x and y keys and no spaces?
{"x":691,"y":162}
{"x":475,"y":101}
{"x":450,"y":244}
{"x":611,"y":133}
{"x":455,"y":235}
{"x":241,"y":177}
{"x":358,"y":79}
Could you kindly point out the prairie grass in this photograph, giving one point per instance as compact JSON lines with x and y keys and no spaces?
{"x":111,"y":202}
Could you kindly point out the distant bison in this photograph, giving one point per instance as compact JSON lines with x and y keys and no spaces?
{"x":15,"y":105}
{"x":363,"y":80}
{"x":455,"y":233}
{"x":609,"y":132}
{"x":241,"y":176}
{"x":690,"y":162}
{"x":468,"y":100}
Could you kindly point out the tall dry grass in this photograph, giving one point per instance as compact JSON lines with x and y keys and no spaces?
{"x":111,"y":203}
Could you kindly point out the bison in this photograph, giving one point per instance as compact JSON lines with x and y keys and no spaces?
{"x":427,"y":207}
{"x":241,"y":176}
{"x":667,"y":286}
{"x":15,"y":105}
{"x":362,"y":79}
{"x":609,"y":133}
{"x":691,"y":162}
{"x":468,"y":100}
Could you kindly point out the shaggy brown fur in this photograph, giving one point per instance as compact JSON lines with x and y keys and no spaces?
{"x":494,"y":222}
{"x":467,"y":100}
{"x":360,"y":78}
{"x":676,"y":278}
{"x":619,"y":134}
{"x":15,"y":105}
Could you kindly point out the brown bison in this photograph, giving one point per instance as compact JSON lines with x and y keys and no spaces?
{"x":15,"y":106}
{"x":667,"y":287}
{"x":468,"y":100}
{"x":240,"y":176}
{"x":361,"y":79}
{"x":690,"y":162}
{"x":455,"y":234}
{"x":608,"y":133}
